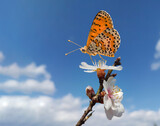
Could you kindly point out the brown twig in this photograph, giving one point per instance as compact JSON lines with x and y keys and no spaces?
{"x":84,"y":117}
{"x":116,"y":63}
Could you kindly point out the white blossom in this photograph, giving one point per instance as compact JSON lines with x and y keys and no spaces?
{"x":112,"y":99}
{"x":96,"y":66}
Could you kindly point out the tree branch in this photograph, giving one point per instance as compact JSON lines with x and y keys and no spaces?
{"x":84,"y":118}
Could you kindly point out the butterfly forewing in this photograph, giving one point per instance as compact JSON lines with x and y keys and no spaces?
{"x":101,"y":22}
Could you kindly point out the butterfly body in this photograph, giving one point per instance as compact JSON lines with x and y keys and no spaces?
{"x":103,"y":39}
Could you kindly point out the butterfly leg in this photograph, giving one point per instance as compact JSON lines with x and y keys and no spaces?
{"x":91,"y":59}
{"x":101,"y":57}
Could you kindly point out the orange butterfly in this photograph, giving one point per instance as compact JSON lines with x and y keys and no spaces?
{"x":103,"y":39}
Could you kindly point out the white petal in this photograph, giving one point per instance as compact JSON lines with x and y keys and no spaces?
{"x":105,"y":85}
{"x":110,"y":79}
{"x":84,"y":65}
{"x":111,"y":84}
{"x":89,"y":68}
{"x":109,"y":113}
{"x":104,"y":67}
{"x":89,"y":71}
{"x":107,"y":102}
{"x":112,"y":67}
{"x":120,"y":99}
{"x":118,"y":109}
{"x":108,"y":85}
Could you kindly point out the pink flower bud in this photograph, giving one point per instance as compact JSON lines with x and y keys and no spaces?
{"x":90,"y":92}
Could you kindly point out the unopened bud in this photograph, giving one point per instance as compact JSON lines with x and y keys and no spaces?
{"x":101,"y":73}
{"x":113,"y":75}
{"x":90,"y":92}
{"x":117,"y":61}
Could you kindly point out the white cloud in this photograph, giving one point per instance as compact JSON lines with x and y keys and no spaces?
{"x":157,"y":54}
{"x":47,"y":111}
{"x":155,"y":66}
{"x":40,"y":111}
{"x":28,"y":86}
{"x":31,"y":70}
{"x":1,"y":57}
{"x":135,"y":118}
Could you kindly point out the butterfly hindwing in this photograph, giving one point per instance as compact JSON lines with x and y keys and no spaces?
{"x":106,"y":43}
{"x":101,"y":22}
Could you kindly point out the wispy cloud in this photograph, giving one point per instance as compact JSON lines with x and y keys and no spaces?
{"x":1,"y":57}
{"x":31,"y":84}
{"x":31,"y":70}
{"x":156,"y":64}
{"x":47,"y":111}
{"x":157,"y":48}
{"x":28,"y":86}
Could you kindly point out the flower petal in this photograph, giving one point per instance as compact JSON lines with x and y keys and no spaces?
{"x":105,"y":85}
{"x":89,"y":71}
{"x":108,"y":85}
{"x":111,"y":84}
{"x":110,"y":79}
{"x":84,"y":65}
{"x":112,"y":67}
{"x":118,"y":109}
{"x":109,"y":113}
{"x":107,"y":102}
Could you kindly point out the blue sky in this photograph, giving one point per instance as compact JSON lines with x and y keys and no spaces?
{"x":37,"y":31}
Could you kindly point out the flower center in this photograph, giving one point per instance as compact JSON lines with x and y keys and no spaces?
{"x":113,"y":94}
{"x":110,"y":93}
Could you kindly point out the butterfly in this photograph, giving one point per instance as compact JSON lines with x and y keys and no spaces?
{"x":103,"y":39}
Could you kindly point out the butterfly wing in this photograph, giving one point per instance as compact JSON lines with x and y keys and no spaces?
{"x":106,"y":43}
{"x":101,"y":22}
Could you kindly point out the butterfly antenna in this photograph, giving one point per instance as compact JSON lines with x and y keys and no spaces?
{"x":72,"y":51}
{"x":74,"y":43}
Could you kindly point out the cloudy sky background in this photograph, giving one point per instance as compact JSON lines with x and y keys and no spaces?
{"x":40,"y":86}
